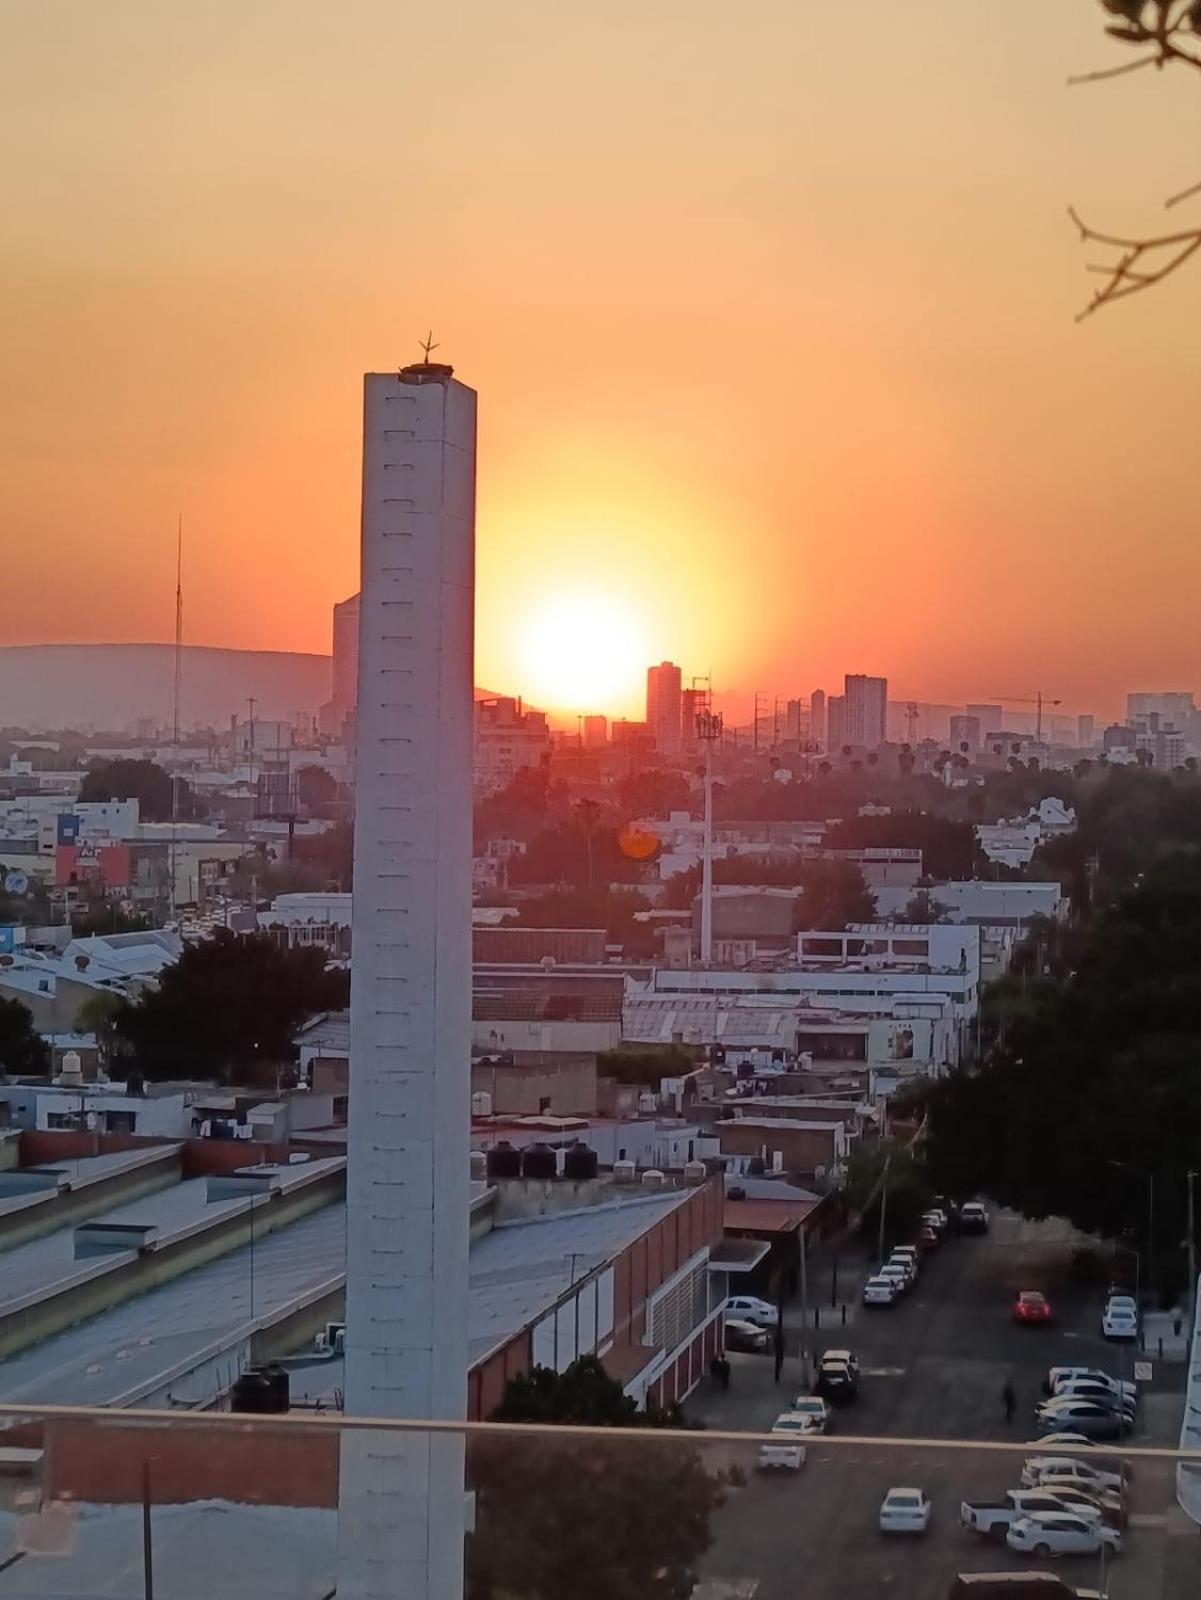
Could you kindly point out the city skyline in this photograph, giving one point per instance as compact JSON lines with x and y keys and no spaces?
{"x":925,"y":480}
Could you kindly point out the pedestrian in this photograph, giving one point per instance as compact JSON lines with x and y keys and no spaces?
{"x":779,"y":1350}
{"x":1177,"y":1320}
{"x":1009,"y":1399}
{"x":725,"y":1373}
{"x":715,"y":1369}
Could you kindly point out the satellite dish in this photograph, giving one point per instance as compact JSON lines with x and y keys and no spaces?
{"x":16,"y":883}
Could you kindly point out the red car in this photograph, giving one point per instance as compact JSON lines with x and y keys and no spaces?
{"x":1031,"y":1308}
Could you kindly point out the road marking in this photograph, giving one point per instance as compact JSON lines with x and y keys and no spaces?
{"x":884,"y":1372}
{"x":1149,"y":1519}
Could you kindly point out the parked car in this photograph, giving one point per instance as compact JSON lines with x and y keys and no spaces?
{"x":1017,"y":1586}
{"x":881,"y":1291}
{"x":1119,"y":1319}
{"x":749,"y":1308}
{"x":1032,"y":1309}
{"x":1074,"y":1469}
{"x":1061,"y":1375}
{"x":901,"y":1276}
{"x":905,"y":1511}
{"x":993,"y":1517}
{"x":1090,"y":1389}
{"x":785,"y":1452}
{"x":1094,"y":1419}
{"x":812,"y":1412}
{"x":927,"y":1240}
{"x":974,"y":1217}
{"x":836,"y":1380}
{"x":746,"y":1336}
{"x":907,"y":1252}
{"x":847,"y":1358}
{"x":1059,"y":1439}
{"x":1105,"y":1501}
{"x":1061,"y":1533}
{"x":936,"y":1219}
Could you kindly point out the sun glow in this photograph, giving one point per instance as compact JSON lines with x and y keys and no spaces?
{"x":583,"y":653}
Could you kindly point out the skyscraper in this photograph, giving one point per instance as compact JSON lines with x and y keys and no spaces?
{"x":817,"y":716}
{"x":836,"y":722}
{"x":991,"y":718}
{"x":345,"y":668}
{"x":401,"y":1495}
{"x":866,"y":710}
{"x":663,"y":706}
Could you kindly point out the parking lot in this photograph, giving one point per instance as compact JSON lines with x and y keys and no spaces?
{"x":935,"y":1366}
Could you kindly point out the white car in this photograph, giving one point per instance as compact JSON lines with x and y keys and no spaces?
{"x":907,"y":1264}
{"x":813,"y":1412}
{"x":785,"y":1452}
{"x":1061,"y":1534}
{"x":1058,"y":1376}
{"x":905,"y":1511}
{"x":1070,"y":1469}
{"x":880,"y":1291}
{"x":1090,"y":1389}
{"x":901,"y":1276}
{"x":974,"y":1217}
{"x":748,"y":1308}
{"x":1057,"y":1439}
{"x":1119,"y":1320}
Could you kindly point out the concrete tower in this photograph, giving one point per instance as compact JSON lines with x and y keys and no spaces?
{"x":663,"y":706}
{"x":401,"y":1495}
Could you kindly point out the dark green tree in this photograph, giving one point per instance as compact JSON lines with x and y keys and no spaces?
{"x":586,"y":1517}
{"x":23,"y":1051}
{"x":833,"y":894}
{"x":144,"y":781}
{"x":228,"y":1009}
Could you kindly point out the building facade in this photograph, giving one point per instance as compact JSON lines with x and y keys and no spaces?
{"x":663,"y":706}
{"x":866,"y":710}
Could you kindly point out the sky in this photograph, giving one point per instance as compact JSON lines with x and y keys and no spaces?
{"x":770,"y":309}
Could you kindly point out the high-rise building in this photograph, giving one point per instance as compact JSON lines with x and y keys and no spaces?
{"x":1086,"y":731}
{"x":663,"y":706}
{"x":836,"y":722}
{"x":817,"y":716}
{"x":794,"y":721}
{"x":965,"y":730}
{"x":344,"y":684}
{"x":866,"y":710}
{"x":401,"y":1495}
{"x":596,"y":732}
{"x":1172,"y":705}
{"x":990,"y":718}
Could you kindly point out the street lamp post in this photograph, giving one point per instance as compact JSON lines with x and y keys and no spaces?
{"x":1190,"y":1178}
{"x":1139,"y":1172}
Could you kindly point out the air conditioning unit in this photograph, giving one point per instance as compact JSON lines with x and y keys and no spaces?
{"x":333,"y":1339}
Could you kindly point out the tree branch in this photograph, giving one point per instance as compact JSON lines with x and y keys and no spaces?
{"x":1141,"y":264}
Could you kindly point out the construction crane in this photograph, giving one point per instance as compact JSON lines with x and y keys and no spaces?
{"x":1040,"y":700}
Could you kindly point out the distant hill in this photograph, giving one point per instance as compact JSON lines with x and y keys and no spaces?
{"x":114,"y":686}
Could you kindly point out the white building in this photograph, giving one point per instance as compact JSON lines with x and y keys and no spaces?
{"x":311,"y":918}
{"x":400,"y":1524}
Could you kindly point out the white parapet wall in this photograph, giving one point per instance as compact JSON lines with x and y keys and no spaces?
{"x":410,"y":1020}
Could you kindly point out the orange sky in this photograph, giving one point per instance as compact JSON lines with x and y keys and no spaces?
{"x":769,"y":307}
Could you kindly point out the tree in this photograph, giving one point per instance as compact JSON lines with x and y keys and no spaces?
{"x":583,"y":1517}
{"x":316,"y":789}
{"x":922,"y":908}
{"x":100,"y":1016}
{"x":948,"y":847}
{"x":144,"y":781}
{"x":885,"y":1173}
{"x":1094,"y":1071}
{"x":833,"y":894}
{"x":649,"y":1064}
{"x":228,"y":1008}
{"x":1165,"y":34}
{"x":652,"y":793}
{"x":23,"y":1051}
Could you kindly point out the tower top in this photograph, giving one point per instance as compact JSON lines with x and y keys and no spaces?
{"x":426,"y":371}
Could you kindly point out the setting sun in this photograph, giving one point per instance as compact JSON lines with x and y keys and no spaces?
{"x":583,"y":653}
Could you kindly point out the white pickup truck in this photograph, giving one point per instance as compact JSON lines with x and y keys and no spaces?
{"x":994,"y":1517}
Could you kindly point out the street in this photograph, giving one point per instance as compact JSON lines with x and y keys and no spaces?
{"x":934,"y":1368}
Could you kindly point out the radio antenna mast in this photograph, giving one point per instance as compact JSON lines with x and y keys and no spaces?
{"x":175,"y":708}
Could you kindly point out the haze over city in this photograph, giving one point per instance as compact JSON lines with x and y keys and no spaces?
{"x":773,"y":311}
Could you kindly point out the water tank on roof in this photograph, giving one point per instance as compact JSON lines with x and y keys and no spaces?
{"x":135,"y":1084}
{"x":648,"y":1104}
{"x":479,"y":1166}
{"x":504,"y":1161}
{"x":694,"y":1172}
{"x":263,"y":1391}
{"x":624,"y":1172}
{"x":579,"y":1163}
{"x":71,"y":1070}
{"x":481,"y":1103}
{"x":538,"y":1161}
{"x":756,"y":1167}
{"x":652,"y":1178}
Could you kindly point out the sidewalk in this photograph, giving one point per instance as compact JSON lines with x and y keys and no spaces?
{"x":1159,"y":1342}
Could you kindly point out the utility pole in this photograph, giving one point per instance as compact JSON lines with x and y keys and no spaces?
{"x":708,"y":731}
{"x":883,"y":1208}
{"x":775,"y":737}
{"x":759,"y":700}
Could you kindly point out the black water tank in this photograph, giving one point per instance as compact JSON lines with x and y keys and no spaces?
{"x":504,"y":1161}
{"x":252,"y":1392}
{"x":756,"y":1167}
{"x":538,"y":1161}
{"x":280,"y":1386}
{"x":579,"y":1163}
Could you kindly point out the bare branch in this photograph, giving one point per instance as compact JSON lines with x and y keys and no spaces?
{"x":1115,"y":72}
{"x":1142,"y":263}
{"x":1185,"y":194}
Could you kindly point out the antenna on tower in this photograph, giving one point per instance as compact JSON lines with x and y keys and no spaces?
{"x":427,"y":345}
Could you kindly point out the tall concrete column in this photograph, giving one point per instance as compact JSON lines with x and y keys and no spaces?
{"x":401,"y":1495}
